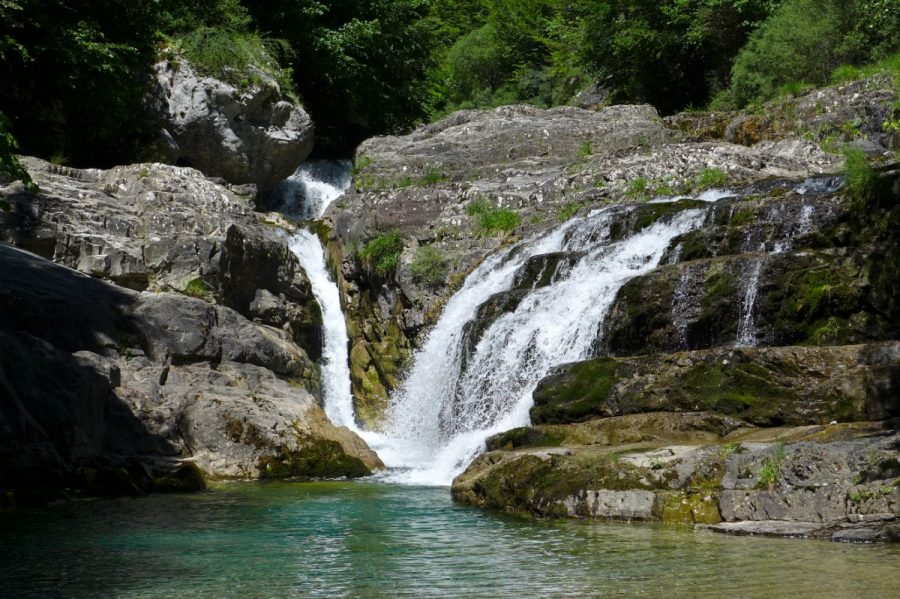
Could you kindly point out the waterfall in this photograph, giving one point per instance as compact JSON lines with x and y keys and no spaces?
{"x":447,"y":406}
{"x":746,"y":334}
{"x":313,"y":186}
{"x":306,"y":194}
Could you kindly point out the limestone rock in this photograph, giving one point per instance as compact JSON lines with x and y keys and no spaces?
{"x":95,"y":377}
{"x":244,"y":135}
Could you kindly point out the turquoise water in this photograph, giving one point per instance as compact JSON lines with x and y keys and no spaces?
{"x":375,"y":540}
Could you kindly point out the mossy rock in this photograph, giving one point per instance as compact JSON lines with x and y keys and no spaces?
{"x":525,"y":436}
{"x":764,"y":386}
{"x":315,"y":459}
{"x":575,"y":392}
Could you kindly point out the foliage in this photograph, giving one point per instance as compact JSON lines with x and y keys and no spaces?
{"x":586,"y":149}
{"x":567,"y":211}
{"x":10,"y":168}
{"x":493,"y":220}
{"x":429,"y":266}
{"x":638,"y":189}
{"x":382,"y":254}
{"x":806,"y":40}
{"x":229,"y":55}
{"x":770,"y":471}
{"x":74,"y":75}
{"x":360,"y":66}
{"x":861,"y":178}
{"x":712,"y":177}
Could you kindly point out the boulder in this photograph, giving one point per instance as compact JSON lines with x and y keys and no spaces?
{"x":765,"y":386}
{"x":247,"y":134}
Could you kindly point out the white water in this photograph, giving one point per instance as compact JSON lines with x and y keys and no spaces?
{"x":335,"y":360}
{"x":308,"y":193}
{"x":313,"y":186}
{"x":441,"y":416}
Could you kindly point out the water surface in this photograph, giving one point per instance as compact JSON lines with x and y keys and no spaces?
{"x":371,"y":539}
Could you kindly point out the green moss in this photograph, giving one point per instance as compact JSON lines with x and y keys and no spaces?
{"x":316,"y":458}
{"x":576,"y":394}
{"x":648,"y":214}
{"x":742,"y":216}
{"x":198,"y":288}
{"x":717,"y":288}
{"x":525,"y":436}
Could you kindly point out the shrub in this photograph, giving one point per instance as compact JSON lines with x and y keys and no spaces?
{"x":229,"y":55}
{"x":712,"y":177}
{"x":806,"y":40}
{"x":198,"y":288}
{"x":382,"y":254}
{"x":429,"y":266}
{"x":638,"y":189}
{"x":432,"y":176}
{"x":586,"y":149}
{"x":493,"y":220}
{"x":10,"y":168}
{"x":861,"y":178}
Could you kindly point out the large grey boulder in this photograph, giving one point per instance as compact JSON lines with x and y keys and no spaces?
{"x":94,"y":377}
{"x":244,"y":135}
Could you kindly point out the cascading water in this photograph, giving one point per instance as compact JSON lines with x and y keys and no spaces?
{"x":313,"y":186}
{"x":440,"y":417}
{"x":307,"y":194}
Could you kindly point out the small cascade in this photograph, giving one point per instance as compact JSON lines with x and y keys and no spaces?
{"x":313,"y":186}
{"x":447,"y":406}
{"x":306,"y":194}
{"x":681,"y":302}
{"x":335,"y":360}
{"x":746,"y":335}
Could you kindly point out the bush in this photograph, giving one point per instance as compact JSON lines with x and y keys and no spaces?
{"x":806,"y":41}
{"x":10,"y":168}
{"x":228,"y":55}
{"x":493,"y":220}
{"x":429,"y":266}
{"x":382,"y":254}
{"x":712,"y":177}
{"x":638,"y":189}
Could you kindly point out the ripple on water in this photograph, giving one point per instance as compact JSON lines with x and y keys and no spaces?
{"x":377,"y":540}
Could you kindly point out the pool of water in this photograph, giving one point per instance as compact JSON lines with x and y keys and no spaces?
{"x":371,"y":539}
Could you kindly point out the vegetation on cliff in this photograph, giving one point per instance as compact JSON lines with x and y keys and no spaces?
{"x":76,"y":75}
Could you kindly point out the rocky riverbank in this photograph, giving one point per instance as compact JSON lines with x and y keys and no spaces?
{"x":190,"y":349}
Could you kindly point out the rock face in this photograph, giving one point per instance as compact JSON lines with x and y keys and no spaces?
{"x":538,"y":168}
{"x":769,"y":386}
{"x":203,"y":355}
{"x":840,"y":482}
{"x":243,"y":135}
{"x":777,"y":311}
